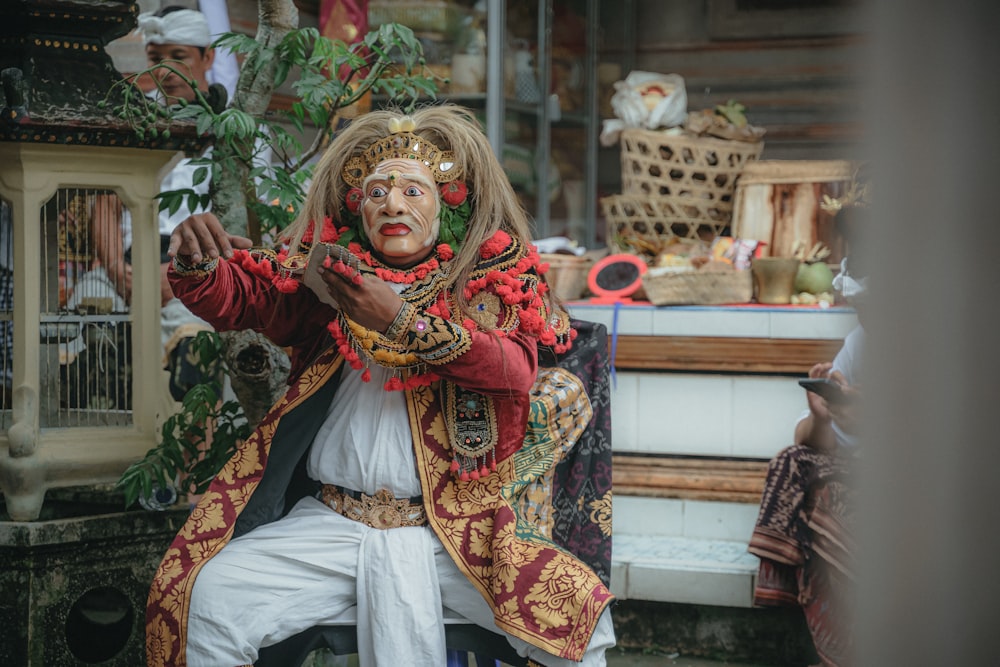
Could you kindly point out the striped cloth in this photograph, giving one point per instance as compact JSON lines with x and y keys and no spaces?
{"x":803,"y":538}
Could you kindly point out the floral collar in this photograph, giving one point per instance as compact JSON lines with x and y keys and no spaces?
{"x":505,"y":290}
{"x":438,"y":259}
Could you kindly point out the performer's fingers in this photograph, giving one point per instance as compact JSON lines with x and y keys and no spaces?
{"x":231,"y":241}
{"x":184,"y":243}
{"x":206,"y":241}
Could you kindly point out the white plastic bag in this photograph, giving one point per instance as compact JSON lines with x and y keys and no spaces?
{"x":647,"y":100}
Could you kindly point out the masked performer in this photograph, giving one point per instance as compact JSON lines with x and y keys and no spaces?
{"x":389,"y":481}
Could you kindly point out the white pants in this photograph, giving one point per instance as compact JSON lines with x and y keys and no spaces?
{"x":314,"y":565}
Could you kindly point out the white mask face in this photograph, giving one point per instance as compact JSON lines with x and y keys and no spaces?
{"x":401,"y":211}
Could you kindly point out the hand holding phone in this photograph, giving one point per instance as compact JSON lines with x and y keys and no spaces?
{"x":825,"y":387}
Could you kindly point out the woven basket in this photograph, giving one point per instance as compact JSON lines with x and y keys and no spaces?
{"x":643,"y":225}
{"x":697,"y":287}
{"x":567,"y":276}
{"x":698,"y":172}
{"x":673,"y":187}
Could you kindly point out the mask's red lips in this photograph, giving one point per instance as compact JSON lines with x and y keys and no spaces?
{"x":394,"y":229}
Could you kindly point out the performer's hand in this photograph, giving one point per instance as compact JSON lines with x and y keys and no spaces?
{"x":201,"y":238}
{"x":368,"y":300}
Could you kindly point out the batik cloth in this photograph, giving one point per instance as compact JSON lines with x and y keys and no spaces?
{"x":804,"y":540}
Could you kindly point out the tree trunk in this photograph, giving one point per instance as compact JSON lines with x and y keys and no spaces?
{"x":276,"y":18}
{"x":258,"y":368}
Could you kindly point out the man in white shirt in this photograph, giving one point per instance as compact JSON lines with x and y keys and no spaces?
{"x":180,"y":40}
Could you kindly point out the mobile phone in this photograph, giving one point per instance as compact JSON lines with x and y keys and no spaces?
{"x":826,"y":388}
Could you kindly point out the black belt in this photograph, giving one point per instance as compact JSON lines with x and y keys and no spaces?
{"x":357,"y":495}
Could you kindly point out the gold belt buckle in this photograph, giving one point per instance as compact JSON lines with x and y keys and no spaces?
{"x":381,"y":510}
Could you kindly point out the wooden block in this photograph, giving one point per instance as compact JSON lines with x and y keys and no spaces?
{"x":739,"y":481}
{"x":778,"y":202}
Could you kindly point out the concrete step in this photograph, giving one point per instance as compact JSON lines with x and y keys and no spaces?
{"x":691,"y":570}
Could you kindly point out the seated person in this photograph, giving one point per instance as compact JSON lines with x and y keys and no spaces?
{"x":380,"y":485}
{"x":180,"y":38}
{"x":803,"y":534}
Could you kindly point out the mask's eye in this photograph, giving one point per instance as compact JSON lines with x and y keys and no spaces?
{"x":413,"y":191}
{"x":377,"y":191}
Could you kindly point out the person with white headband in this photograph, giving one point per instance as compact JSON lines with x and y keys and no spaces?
{"x":803,"y":533}
{"x":180,"y":39}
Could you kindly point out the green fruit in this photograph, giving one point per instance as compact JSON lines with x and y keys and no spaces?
{"x":814,"y":278}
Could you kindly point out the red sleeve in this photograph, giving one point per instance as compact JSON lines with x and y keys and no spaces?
{"x":496,"y":365}
{"x":233,"y":298}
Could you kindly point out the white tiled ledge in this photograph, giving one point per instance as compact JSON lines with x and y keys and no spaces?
{"x":725,"y":321}
{"x":703,"y":414}
{"x":687,"y":570}
{"x":676,"y":517}
{"x":684,"y":551}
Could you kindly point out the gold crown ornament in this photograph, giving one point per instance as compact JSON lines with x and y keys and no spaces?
{"x":402,"y":143}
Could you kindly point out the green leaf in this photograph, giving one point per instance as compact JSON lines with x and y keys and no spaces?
{"x":237,"y":43}
{"x":281,"y":71}
{"x":349,"y":236}
{"x":199,"y":176}
{"x":173,"y":203}
{"x":204,"y":124}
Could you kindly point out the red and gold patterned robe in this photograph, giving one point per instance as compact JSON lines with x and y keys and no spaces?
{"x":538,"y":591}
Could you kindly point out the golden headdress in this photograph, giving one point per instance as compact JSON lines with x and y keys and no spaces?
{"x":403,"y":143}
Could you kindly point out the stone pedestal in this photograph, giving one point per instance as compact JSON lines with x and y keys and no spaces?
{"x":73,"y":584}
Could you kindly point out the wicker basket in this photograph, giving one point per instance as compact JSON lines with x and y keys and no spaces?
{"x":673,"y":186}
{"x":679,"y":288}
{"x":567,"y":276}
{"x":699,"y":172}
{"x":642,"y":225}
